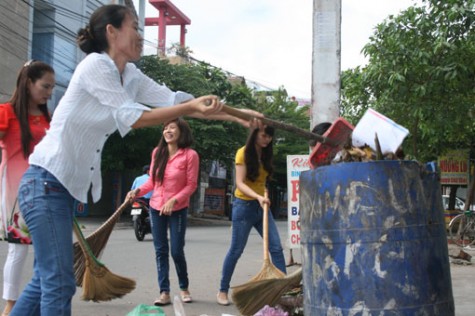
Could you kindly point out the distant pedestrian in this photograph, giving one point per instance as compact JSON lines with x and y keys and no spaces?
{"x":141,"y":180}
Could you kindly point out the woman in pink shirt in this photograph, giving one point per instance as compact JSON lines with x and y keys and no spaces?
{"x":173,"y":179}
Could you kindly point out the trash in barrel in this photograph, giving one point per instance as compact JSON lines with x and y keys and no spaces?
{"x":373,"y":240}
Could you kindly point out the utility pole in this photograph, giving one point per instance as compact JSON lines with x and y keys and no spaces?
{"x":326,"y":61}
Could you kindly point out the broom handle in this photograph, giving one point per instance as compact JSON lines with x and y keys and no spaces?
{"x":79,"y":235}
{"x":265,"y":227}
{"x":277,"y":124}
{"x":86,"y":249}
{"x":113,"y":218}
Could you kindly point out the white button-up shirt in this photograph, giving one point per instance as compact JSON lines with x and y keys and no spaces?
{"x":95,"y":105}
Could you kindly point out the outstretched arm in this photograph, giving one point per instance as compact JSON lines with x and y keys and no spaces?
{"x":204,"y":106}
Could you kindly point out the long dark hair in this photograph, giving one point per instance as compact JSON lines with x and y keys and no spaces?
{"x":31,"y":71}
{"x":252,"y":159}
{"x":161,"y":155}
{"x":92,"y":38}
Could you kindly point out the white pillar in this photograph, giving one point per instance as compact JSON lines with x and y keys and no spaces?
{"x":326,"y":61}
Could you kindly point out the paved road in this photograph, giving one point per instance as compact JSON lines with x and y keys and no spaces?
{"x":206,"y":246}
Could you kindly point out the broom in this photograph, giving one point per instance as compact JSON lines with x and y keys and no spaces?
{"x":268,"y":270}
{"x":97,"y":241}
{"x":99,"y":284}
{"x":250,"y":297}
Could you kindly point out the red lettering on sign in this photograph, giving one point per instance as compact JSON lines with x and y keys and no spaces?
{"x":295,"y":190}
{"x":295,"y":239}
{"x":295,"y":225}
{"x":300,"y":163}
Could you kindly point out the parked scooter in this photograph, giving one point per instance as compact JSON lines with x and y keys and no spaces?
{"x":141,"y":218}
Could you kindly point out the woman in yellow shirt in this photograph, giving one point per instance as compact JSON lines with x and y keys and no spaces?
{"x":253,"y":168}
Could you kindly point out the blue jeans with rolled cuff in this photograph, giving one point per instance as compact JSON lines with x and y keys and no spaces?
{"x":248,"y":214}
{"x":177,"y":224}
{"x":47,"y":208}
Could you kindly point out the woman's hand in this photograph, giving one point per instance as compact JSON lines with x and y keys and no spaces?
{"x":207,"y":105}
{"x":262,"y":201}
{"x":167,"y":208}
{"x":254,"y":123}
{"x":132,"y":194}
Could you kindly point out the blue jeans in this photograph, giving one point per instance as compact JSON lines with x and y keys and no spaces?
{"x":47,"y":208}
{"x":177,"y":223}
{"x":248,"y":214}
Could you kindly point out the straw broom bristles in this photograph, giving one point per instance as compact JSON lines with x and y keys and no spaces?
{"x":250,"y":297}
{"x":99,"y":284}
{"x":268,"y":270}
{"x":97,"y":241}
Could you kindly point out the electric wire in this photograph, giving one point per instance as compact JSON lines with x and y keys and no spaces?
{"x":69,"y":36}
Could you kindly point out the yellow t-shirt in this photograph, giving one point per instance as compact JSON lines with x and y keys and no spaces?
{"x":257,"y":186}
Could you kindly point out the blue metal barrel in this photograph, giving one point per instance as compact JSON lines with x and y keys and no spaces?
{"x":373,"y":241}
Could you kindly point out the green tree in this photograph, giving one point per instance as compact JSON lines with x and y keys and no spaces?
{"x":421,"y":73}
{"x":275,"y":104}
{"x":214,"y":140}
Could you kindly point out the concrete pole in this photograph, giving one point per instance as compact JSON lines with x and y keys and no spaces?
{"x":326,"y":61}
{"x":142,"y":17}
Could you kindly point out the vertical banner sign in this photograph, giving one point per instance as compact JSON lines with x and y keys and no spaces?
{"x":295,"y":165}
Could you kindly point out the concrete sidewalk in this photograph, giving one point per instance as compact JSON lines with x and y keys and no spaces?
{"x":89,"y":224}
{"x":462,"y":272}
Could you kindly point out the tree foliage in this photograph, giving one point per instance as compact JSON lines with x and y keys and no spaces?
{"x":421,"y":74}
{"x":214,"y":140}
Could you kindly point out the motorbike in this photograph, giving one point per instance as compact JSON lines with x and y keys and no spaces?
{"x":141,"y":218}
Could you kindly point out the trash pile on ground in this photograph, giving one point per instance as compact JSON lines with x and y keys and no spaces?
{"x":292,"y":301}
{"x":458,"y":256}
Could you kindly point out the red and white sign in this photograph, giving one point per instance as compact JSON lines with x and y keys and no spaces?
{"x":295,"y":165}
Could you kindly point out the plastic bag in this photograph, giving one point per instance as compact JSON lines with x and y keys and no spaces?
{"x":146,"y":310}
{"x":271,"y":311}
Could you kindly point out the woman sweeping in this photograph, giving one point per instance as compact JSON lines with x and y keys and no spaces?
{"x":253,"y":165}
{"x":174,"y":178}
{"x":105,"y":94}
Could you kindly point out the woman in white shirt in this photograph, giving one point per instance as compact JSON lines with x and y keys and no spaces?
{"x":105,"y":94}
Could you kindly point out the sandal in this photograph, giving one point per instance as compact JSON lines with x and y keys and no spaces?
{"x":222,"y":298}
{"x":186,"y":297}
{"x":163,"y":300}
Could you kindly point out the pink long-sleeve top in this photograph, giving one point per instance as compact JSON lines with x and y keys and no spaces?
{"x":179,"y":182}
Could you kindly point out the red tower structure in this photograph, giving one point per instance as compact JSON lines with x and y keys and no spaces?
{"x":168,"y":14}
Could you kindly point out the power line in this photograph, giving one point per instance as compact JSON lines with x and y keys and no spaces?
{"x":69,"y":36}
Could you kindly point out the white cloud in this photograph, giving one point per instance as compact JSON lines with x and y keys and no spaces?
{"x":270,"y":41}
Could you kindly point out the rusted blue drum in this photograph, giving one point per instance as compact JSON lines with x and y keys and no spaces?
{"x":373,"y":241}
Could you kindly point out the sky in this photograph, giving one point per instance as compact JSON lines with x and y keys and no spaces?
{"x":270,"y":41}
